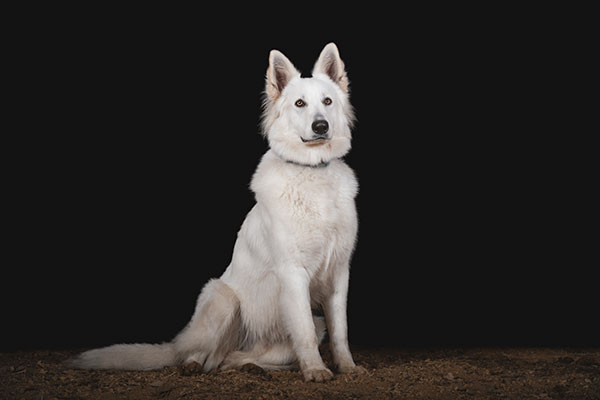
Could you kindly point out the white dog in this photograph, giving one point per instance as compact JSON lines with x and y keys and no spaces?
{"x":293,"y":250}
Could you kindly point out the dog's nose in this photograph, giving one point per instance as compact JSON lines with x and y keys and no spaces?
{"x":320,"y":127}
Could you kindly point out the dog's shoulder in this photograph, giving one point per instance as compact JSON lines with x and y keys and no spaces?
{"x":269,"y":176}
{"x":346,"y":177}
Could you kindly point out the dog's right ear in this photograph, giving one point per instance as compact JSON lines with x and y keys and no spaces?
{"x":279,"y":74}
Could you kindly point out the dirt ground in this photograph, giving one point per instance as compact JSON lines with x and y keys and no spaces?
{"x":441,"y":373}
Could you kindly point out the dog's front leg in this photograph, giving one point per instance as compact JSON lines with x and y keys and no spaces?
{"x":337,"y":325}
{"x":297,"y":317}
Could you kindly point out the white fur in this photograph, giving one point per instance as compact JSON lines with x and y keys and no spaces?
{"x":293,"y":249}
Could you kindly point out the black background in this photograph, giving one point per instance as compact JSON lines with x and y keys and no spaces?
{"x":142,"y":134}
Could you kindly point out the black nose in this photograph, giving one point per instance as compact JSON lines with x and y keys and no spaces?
{"x":320,"y":127}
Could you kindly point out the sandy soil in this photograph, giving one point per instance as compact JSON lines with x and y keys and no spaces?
{"x":441,"y":373}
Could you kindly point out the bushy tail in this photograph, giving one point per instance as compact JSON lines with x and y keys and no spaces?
{"x":127,"y":356}
{"x":210,"y":335}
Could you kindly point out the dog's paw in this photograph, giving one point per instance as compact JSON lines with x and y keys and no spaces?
{"x":351,"y":369}
{"x":191,"y":368}
{"x":317,"y":375}
{"x":254,"y":369}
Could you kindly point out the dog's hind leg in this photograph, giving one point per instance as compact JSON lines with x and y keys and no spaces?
{"x":267,"y":356}
{"x":279,"y":355}
{"x":214,"y":329}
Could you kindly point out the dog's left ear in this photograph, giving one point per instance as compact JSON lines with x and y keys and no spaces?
{"x":280,"y":72}
{"x":330,"y":64}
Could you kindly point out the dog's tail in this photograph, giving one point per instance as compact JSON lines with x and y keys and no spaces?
{"x":127,"y":356}
{"x":213,"y":332}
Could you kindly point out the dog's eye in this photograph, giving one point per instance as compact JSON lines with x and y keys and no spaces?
{"x":327,"y":101}
{"x":300,"y":103}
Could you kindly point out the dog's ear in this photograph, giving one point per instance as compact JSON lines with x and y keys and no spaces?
{"x":280,"y":72}
{"x":330,"y":64}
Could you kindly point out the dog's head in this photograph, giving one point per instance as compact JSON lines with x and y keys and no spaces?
{"x":308,"y":120}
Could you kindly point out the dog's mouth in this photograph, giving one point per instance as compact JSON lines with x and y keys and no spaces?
{"x":314,"y":142}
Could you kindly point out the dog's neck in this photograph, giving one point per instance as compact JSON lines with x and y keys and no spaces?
{"x":322,"y":164}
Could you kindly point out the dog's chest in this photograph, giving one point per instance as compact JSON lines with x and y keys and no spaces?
{"x":322,"y":216}
{"x":315,"y":197}
{"x":309,"y":215}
